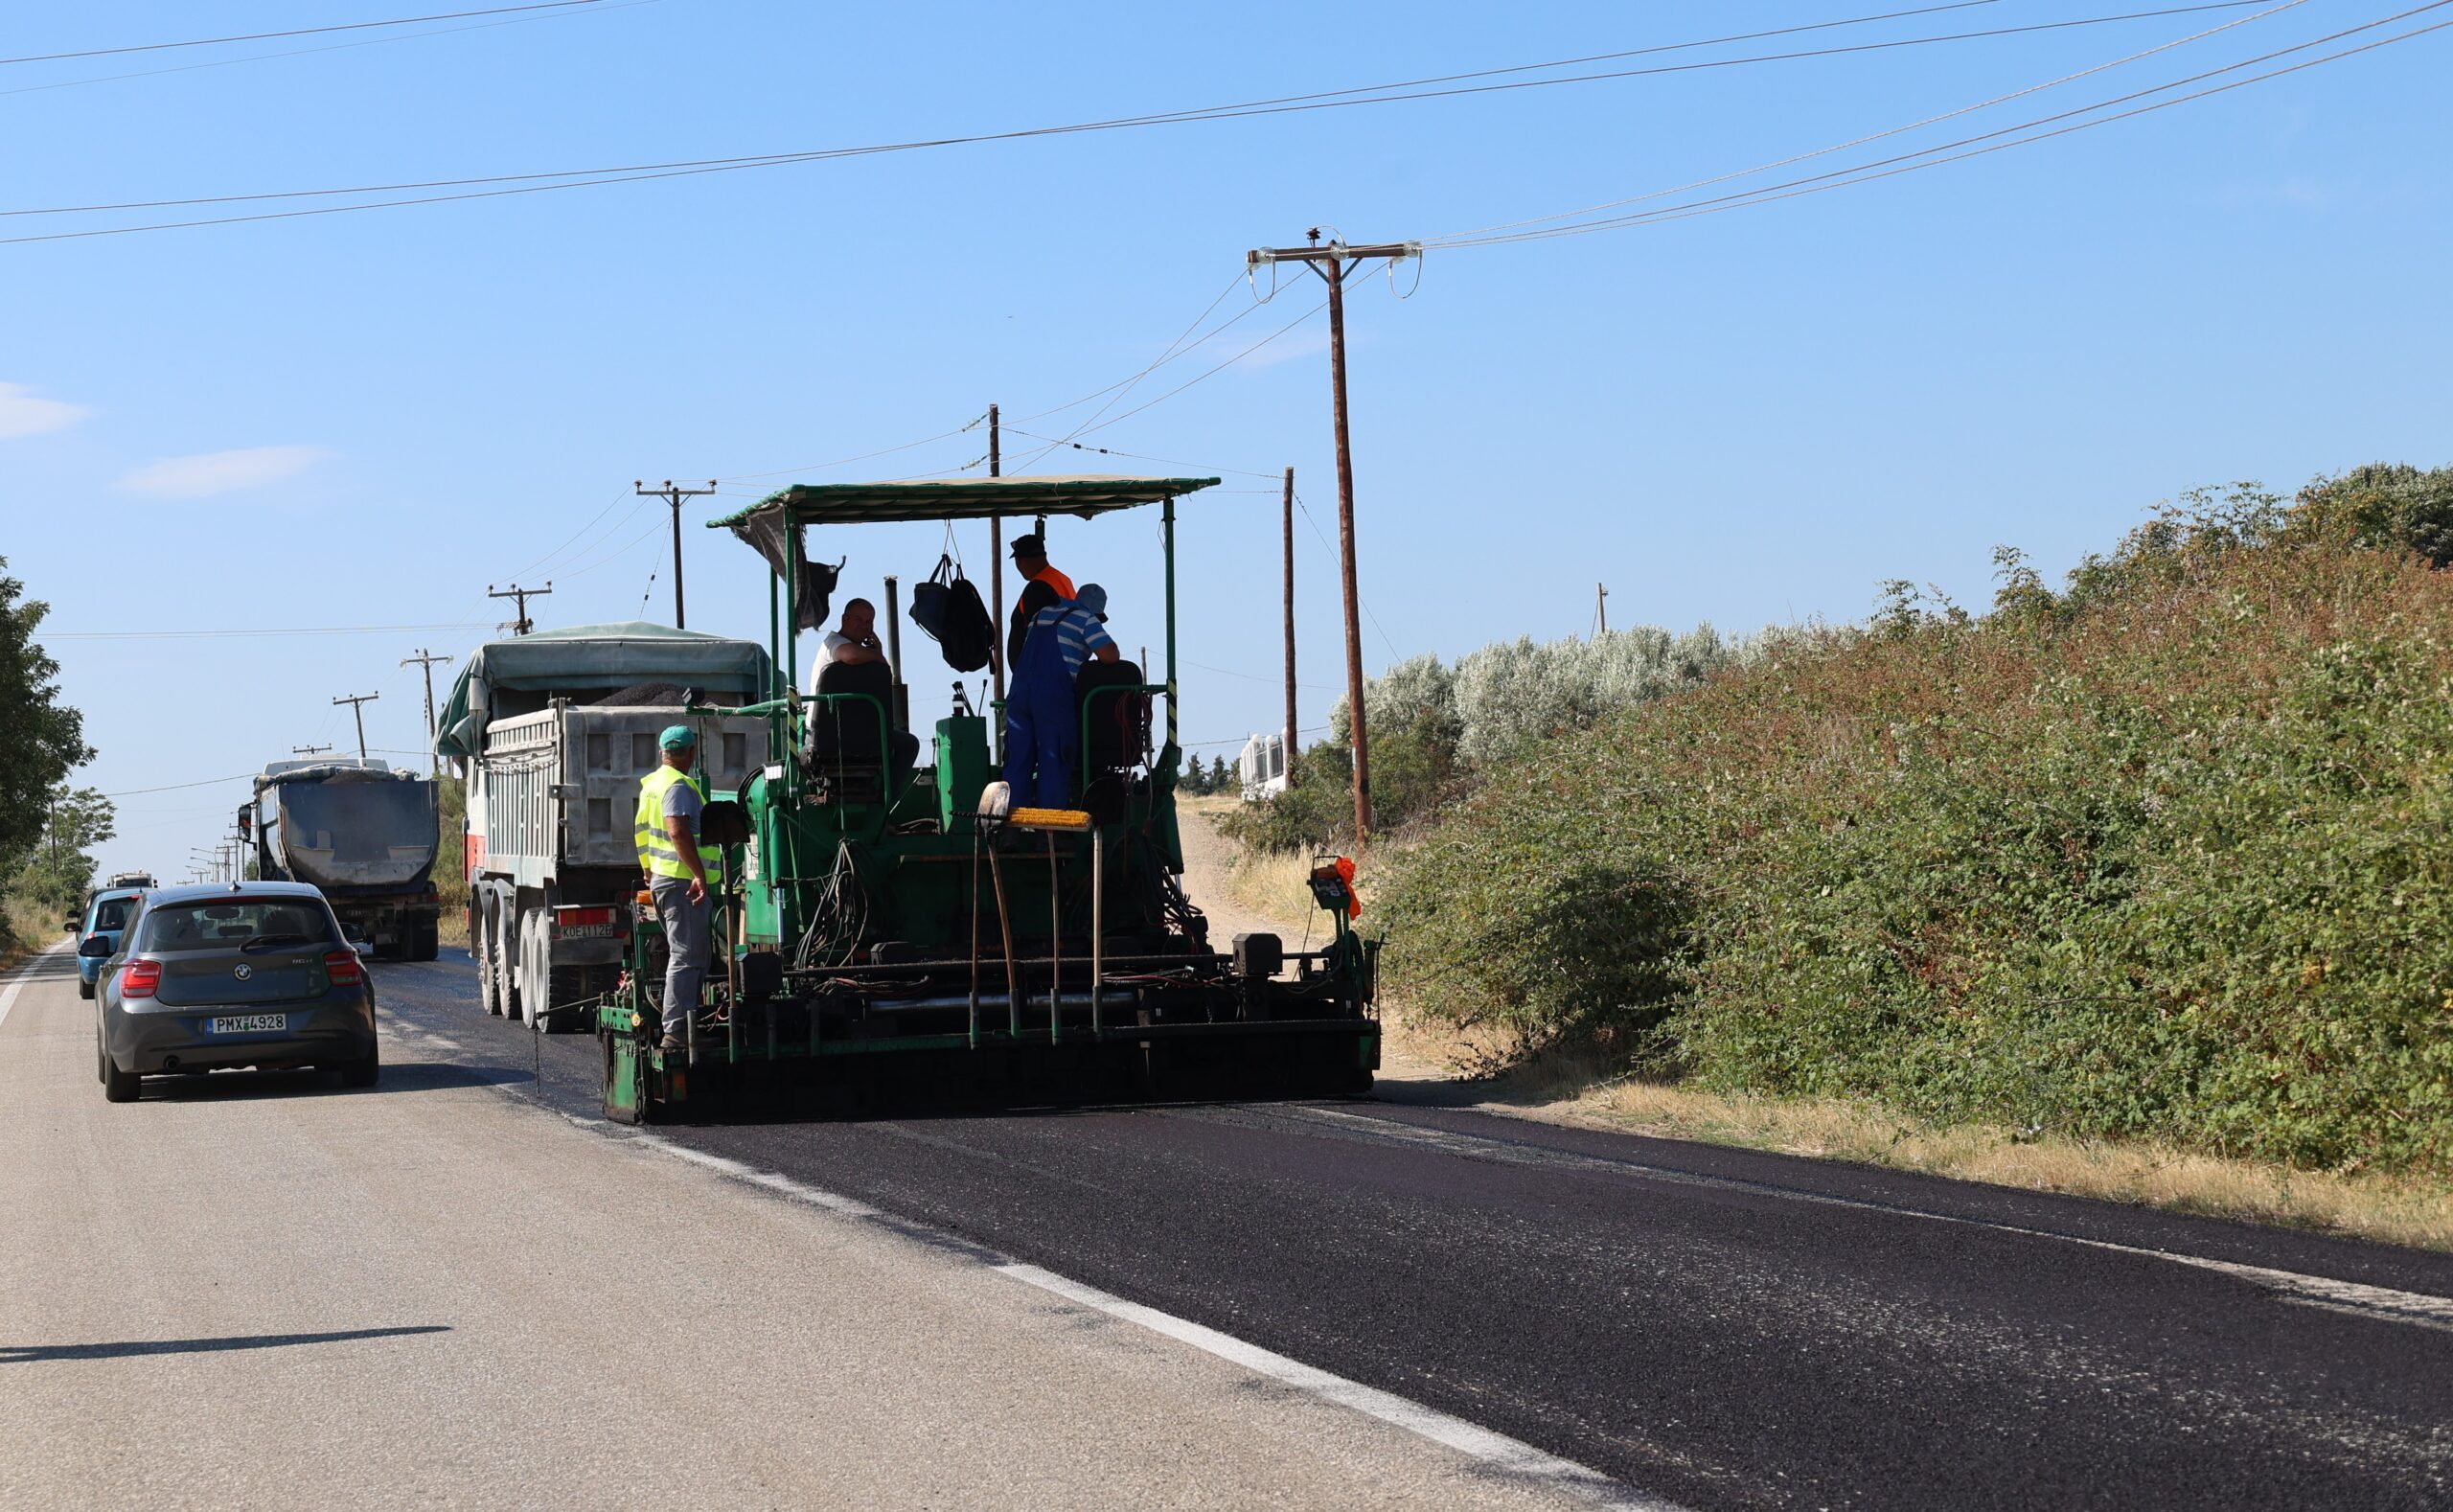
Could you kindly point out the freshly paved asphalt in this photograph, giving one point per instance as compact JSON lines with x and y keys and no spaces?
{"x":1718,"y":1328}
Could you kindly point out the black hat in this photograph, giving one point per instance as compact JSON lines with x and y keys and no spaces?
{"x":1030,"y":543}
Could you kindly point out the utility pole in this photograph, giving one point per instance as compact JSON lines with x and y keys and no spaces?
{"x":674,"y":496}
{"x":1601,"y":610}
{"x":1333,"y":262}
{"x":1285,"y":543}
{"x":521,"y":626}
{"x":356,"y":707}
{"x":425,"y":660}
{"x":996,"y":573}
{"x":308,"y":750}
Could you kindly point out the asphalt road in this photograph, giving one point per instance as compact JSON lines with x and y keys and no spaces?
{"x":1710,"y":1328}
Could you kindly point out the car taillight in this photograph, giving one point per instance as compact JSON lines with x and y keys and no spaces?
{"x":139,"y":978}
{"x":341,"y":967}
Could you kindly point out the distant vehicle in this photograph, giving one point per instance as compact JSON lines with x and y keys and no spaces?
{"x":130,"y":880}
{"x":231,"y":974}
{"x":107,"y":914}
{"x":556,"y":729}
{"x":1260,"y":768}
{"x":363,"y":834}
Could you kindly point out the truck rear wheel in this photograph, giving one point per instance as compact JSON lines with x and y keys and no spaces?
{"x":507,"y":943}
{"x":481,"y":946}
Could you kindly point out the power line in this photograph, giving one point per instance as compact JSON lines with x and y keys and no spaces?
{"x":207,"y":782}
{"x":820,"y":467}
{"x":1454,"y":237}
{"x":304,"y":31}
{"x":763,"y":159}
{"x":1323,"y":539}
{"x":1208,"y":373}
{"x":1367,"y":94}
{"x":209,"y":634}
{"x":610,"y":505}
{"x":1118,"y":391}
{"x":1143,"y":456}
{"x":1883,"y":167}
{"x":596,"y":8}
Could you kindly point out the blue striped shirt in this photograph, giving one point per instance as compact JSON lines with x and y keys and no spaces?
{"x":1078,"y":633}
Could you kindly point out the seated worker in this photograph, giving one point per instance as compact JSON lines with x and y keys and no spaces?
{"x":1043,"y":734}
{"x":1042,"y":586}
{"x":854,"y":641}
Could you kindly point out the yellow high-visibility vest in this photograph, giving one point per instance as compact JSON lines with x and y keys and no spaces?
{"x":657,"y":855}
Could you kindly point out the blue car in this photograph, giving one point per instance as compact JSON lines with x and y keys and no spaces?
{"x":107,"y":915}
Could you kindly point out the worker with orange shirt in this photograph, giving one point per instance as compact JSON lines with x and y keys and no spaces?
{"x":1042,"y":588}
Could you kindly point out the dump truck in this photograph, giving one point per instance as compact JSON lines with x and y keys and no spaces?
{"x":363,"y":833}
{"x":553,"y":732}
{"x":885,"y":924}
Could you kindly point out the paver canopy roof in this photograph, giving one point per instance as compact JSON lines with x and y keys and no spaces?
{"x":958,"y":499}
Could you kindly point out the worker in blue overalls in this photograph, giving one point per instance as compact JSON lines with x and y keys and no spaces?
{"x":1043,"y":722}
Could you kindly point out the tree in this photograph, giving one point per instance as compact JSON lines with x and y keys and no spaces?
{"x":59,"y":867}
{"x":1221,"y":777}
{"x":43,"y":738}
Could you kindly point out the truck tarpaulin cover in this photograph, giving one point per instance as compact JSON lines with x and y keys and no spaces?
{"x":349,"y":829}
{"x":599,"y":657}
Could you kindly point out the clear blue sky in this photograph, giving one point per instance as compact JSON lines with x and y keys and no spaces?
{"x":1744,"y":418}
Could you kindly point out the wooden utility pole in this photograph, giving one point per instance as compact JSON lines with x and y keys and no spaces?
{"x":674,"y":496}
{"x":521,"y":625}
{"x":1332,"y":262}
{"x":1286,"y":545}
{"x":356,"y":707}
{"x":1601,"y":610}
{"x":427,"y":659}
{"x":995,"y":591}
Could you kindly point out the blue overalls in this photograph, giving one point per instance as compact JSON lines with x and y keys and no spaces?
{"x":1040,"y":740}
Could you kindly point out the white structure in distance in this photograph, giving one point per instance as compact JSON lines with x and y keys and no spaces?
{"x":1262,"y":767}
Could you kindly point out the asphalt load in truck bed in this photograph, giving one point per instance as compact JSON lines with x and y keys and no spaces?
{"x":1716,"y":1328}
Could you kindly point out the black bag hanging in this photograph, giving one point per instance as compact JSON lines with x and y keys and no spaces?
{"x":948,"y":609}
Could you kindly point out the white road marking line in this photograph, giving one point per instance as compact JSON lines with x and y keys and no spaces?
{"x":1510,"y":1455}
{"x":1507,"y":1456}
{"x":17,"y":984}
{"x":2381,"y":1303}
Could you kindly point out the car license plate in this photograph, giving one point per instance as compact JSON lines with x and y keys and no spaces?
{"x":252,"y":1024}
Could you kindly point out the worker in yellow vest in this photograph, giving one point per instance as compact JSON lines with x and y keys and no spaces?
{"x":672,"y":804}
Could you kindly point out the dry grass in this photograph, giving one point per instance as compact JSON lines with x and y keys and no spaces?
{"x":453,"y":926}
{"x":30,"y":927}
{"x":2405,"y":1209}
{"x":1275,"y":886}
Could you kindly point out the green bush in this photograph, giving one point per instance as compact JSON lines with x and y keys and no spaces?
{"x":2167,"y":854}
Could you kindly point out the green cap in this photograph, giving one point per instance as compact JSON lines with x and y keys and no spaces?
{"x":678,"y":738}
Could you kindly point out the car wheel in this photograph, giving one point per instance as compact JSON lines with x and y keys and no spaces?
{"x":118,"y":1086}
{"x":84,"y":988}
{"x":363,"y":1073}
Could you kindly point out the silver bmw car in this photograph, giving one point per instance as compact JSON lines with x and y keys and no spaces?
{"x":232,"y":975}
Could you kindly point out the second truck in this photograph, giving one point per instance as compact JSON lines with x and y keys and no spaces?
{"x":363,"y":833}
{"x":553,"y":731}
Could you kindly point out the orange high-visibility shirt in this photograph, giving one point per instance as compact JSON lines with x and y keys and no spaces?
{"x":1063,"y":584}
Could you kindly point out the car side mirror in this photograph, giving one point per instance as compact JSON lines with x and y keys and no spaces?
{"x":71,"y":925}
{"x":365,"y":951}
{"x":96,"y":946}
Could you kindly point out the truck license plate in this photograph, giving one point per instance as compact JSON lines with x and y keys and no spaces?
{"x":252,"y":1024}
{"x":585,"y":931}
